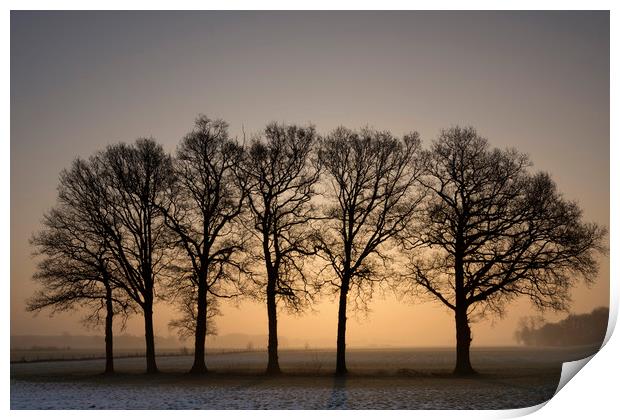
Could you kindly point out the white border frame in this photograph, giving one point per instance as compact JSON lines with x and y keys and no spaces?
{"x":592,"y":394}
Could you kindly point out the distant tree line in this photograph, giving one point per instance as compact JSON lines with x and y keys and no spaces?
{"x":575,"y":329}
{"x":291,"y":215}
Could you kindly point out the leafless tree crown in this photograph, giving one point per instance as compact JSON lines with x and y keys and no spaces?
{"x":511,"y":231}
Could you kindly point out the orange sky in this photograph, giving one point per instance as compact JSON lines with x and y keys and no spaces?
{"x":537,"y":81}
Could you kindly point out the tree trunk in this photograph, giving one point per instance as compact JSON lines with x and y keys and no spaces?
{"x":463,"y":332}
{"x":151,"y":365}
{"x":341,"y":365}
{"x":273,"y":366}
{"x":463,"y":341}
{"x":200,"y":366}
{"x":109,"y":350}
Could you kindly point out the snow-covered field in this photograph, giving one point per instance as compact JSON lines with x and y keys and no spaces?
{"x":379,"y":379}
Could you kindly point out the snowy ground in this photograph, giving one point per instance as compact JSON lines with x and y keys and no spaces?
{"x":379,"y":379}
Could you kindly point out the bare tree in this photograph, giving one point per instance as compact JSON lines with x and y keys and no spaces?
{"x":133,"y":180}
{"x":204,"y":203}
{"x":280,"y":186}
{"x":494,"y":232}
{"x":372,"y":179}
{"x":75,"y":269}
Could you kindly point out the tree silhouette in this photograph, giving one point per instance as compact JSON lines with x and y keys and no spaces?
{"x":75,"y":269}
{"x":280,"y":186}
{"x":574,"y":330}
{"x":186,"y":323}
{"x":372,"y":177}
{"x":495,"y":232}
{"x":204,"y":202}
{"x":476,"y":228}
{"x":131,"y":182}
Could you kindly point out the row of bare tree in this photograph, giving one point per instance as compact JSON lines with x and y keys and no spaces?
{"x":292,"y":214}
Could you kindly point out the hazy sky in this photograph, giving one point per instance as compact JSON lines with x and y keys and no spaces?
{"x":537,"y":81}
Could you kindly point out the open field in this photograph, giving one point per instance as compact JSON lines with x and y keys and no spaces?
{"x":45,"y":354}
{"x":379,"y":379}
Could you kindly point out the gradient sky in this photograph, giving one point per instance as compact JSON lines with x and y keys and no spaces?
{"x":537,"y":81}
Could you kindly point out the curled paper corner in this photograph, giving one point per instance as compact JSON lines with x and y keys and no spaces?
{"x":521,"y":412}
{"x":570,"y":369}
